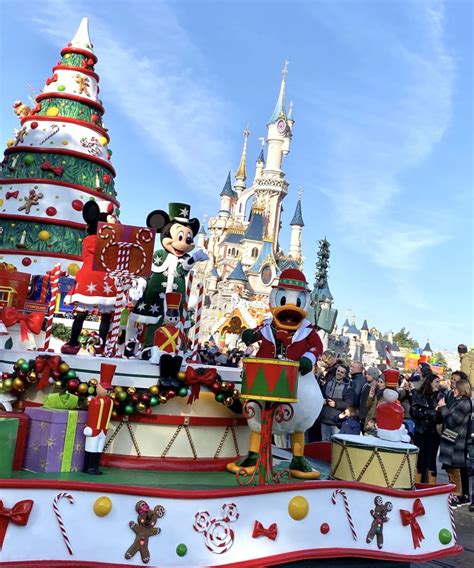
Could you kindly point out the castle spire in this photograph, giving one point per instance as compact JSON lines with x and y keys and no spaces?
{"x":298,"y":216}
{"x":279,"y":109}
{"x":241,"y":174}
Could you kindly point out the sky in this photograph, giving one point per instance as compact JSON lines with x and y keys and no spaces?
{"x":382,"y":143}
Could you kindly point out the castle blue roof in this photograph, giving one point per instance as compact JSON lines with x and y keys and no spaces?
{"x":255,"y":229}
{"x":285,"y":263}
{"x":346,"y":323}
{"x":325,"y":293}
{"x":365,"y":327}
{"x":298,"y":216}
{"x":261,"y":157}
{"x":233,"y":238}
{"x":202,"y":230}
{"x":214,"y":272}
{"x":353,"y":330}
{"x":238,"y":273}
{"x":265,"y":252}
{"x":227,"y":189}
{"x":427,"y":347}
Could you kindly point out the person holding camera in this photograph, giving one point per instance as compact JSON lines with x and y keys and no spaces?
{"x":338,"y":395}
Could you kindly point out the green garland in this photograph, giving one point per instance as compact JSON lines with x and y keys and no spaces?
{"x":71,"y":109}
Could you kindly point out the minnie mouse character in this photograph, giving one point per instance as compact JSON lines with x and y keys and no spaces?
{"x":170,"y":265}
{"x":93,"y":289}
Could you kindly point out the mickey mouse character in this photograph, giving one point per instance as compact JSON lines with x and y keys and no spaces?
{"x":380,"y":517}
{"x":170,"y":265}
{"x":144,"y":529}
{"x":287,"y":334}
{"x":93,"y":289}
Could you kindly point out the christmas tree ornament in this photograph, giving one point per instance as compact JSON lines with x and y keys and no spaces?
{"x":445,"y":536}
{"x":44,"y":235}
{"x":29,"y":159}
{"x":18,"y":384}
{"x":155,"y":389}
{"x":73,"y":269}
{"x":51,"y":211}
{"x":324,"y":528}
{"x":82,"y":389}
{"x":181,"y":550}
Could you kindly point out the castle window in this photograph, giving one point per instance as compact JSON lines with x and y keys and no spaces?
{"x":254,"y":252}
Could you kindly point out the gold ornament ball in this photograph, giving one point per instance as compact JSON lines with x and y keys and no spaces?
{"x":102,"y":506}
{"x":63,"y":368}
{"x":118,"y":389}
{"x":10,"y":142}
{"x":93,"y":382}
{"x":236,"y":393}
{"x":52,"y":111}
{"x":229,"y":401}
{"x":113,"y":395}
{"x":131,"y":390}
{"x":44,"y":235}
{"x":82,"y":388}
{"x":1,"y":202}
{"x":72,"y":269}
{"x":155,"y":389}
{"x":103,"y":140}
{"x":32,"y":377}
{"x":298,"y":508}
{"x":181,"y":375}
{"x":141,"y":407}
{"x":18,"y":385}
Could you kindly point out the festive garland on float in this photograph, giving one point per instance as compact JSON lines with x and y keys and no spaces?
{"x":52,"y":371}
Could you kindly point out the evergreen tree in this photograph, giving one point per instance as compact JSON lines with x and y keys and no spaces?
{"x":402,"y":339}
{"x":58,"y":160}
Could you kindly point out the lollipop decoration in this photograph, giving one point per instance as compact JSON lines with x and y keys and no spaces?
{"x":217,"y":533}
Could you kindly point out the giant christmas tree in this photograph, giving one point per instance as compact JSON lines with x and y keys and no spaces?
{"x":58,"y":160}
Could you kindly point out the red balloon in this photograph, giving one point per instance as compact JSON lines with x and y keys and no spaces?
{"x":26,"y":261}
{"x":51,"y":211}
{"x":324,"y":528}
{"x":77,"y":205}
{"x":34,"y":125}
{"x":107,"y":179}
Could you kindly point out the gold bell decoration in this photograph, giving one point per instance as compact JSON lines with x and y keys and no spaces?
{"x":32,"y":377}
{"x":141,"y":407}
{"x":229,"y":401}
{"x":131,"y":390}
{"x":82,"y":388}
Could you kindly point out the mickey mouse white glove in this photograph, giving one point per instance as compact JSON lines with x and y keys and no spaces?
{"x":137,"y":289}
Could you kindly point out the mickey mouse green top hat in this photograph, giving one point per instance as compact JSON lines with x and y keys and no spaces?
{"x":179,"y":212}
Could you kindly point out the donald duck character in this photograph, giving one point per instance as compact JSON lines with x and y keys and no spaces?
{"x":287,"y":334}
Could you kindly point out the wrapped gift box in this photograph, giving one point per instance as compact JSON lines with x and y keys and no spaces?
{"x":8,"y":434}
{"x":55,"y":440}
{"x":19,"y":451}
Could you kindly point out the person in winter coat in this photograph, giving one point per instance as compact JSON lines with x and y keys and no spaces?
{"x":467,"y":362}
{"x":405,"y":397}
{"x":338,"y":395}
{"x":456,"y":431}
{"x":374,"y":397}
{"x":426,"y":437}
{"x":371,"y":376}
{"x":349,"y":421}
{"x":357,"y":381}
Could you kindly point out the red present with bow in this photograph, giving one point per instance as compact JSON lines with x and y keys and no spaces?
{"x":46,"y":365}
{"x":410,"y":519}
{"x":18,"y":514}
{"x":195,"y":378}
{"x":259,"y":530}
{"x":28,"y":322}
{"x":15,"y":285}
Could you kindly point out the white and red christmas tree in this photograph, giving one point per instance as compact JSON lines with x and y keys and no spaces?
{"x":58,"y":160}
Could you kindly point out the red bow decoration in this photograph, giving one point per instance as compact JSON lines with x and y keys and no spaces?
{"x":410,"y":519}
{"x":195,"y":380}
{"x":28,"y":322}
{"x":87,"y":63}
{"x":36,"y":109}
{"x":18,"y":514}
{"x":46,"y":365}
{"x":12,"y":194}
{"x":52,"y":79}
{"x":259,"y":530}
{"x":57,"y":170}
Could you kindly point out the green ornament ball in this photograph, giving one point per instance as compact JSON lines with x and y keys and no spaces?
{"x":445,"y":536}
{"x":24,"y":366}
{"x":29,"y":159}
{"x":153,"y":401}
{"x":61,"y":88}
{"x":220,"y":397}
{"x":71,"y":374}
{"x":20,"y":362}
{"x":7,"y":384}
{"x":110,"y":152}
{"x":181,"y":549}
{"x":91,"y":390}
{"x":183,"y":391}
{"x":129,"y":409}
{"x":121,"y":396}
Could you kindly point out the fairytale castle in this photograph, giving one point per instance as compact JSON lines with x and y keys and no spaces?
{"x":245,"y":257}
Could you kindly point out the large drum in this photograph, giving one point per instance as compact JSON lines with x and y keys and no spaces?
{"x":270,"y":379}
{"x":371,"y":460}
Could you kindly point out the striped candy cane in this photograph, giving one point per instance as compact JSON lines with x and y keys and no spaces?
{"x":54,"y":281}
{"x":197,"y":325}
{"x":388,"y":355}
{"x":347,"y":509}
{"x":121,"y":277}
{"x":451,"y":500}
{"x":184,"y":311}
{"x":59,"y":518}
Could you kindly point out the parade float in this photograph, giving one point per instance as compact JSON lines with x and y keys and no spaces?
{"x":112,"y":458}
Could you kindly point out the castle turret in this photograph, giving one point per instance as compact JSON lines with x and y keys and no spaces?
{"x":241,"y":174}
{"x":201,"y":237}
{"x":228,"y":196}
{"x":364,"y":332}
{"x":297,"y":225}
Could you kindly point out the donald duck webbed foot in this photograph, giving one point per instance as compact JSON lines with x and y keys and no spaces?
{"x":247,"y":464}
{"x":300,"y":469}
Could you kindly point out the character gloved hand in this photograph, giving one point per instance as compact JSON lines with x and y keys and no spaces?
{"x":137,"y":289}
{"x":305,"y":365}
{"x":199,"y":256}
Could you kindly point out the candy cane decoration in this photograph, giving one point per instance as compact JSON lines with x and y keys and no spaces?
{"x":197,"y":325}
{"x":59,"y":518}
{"x":121,"y":277}
{"x":347,"y":508}
{"x":55,"y":128}
{"x":184,"y":311}
{"x":54,"y":281}
{"x":451,"y":500}
{"x":388,"y":355}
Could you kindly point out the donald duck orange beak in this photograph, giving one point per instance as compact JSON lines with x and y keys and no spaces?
{"x":288,"y":317}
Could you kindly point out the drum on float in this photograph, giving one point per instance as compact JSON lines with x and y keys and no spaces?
{"x":274,"y":380}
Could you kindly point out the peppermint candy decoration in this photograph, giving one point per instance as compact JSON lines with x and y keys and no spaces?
{"x":218,"y":535}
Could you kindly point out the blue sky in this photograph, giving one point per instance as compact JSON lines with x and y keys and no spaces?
{"x":382,"y":142}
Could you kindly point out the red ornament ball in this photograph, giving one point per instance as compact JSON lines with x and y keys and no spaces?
{"x":324,"y":528}
{"x":51,"y":211}
{"x":170,"y":394}
{"x":34,"y":125}
{"x":107,"y":179}
{"x":72,"y":385}
{"x":26,"y":261}
{"x":216,"y":387}
{"x":94,"y":118}
{"x":77,"y":205}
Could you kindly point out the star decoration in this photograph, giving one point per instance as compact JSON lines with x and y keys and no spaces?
{"x":107,"y":288}
{"x":91,"y":287}
{"x":154,"y":308}
{"x":184,"y":212}
{"x":36,"y":446}
{"x":42,"y":465}
{"x":43,"y":425}
{"x":141,"y":306}
{"x":78,"y":447}
{"x":51,"y":442}
{"x":60,"y":456}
